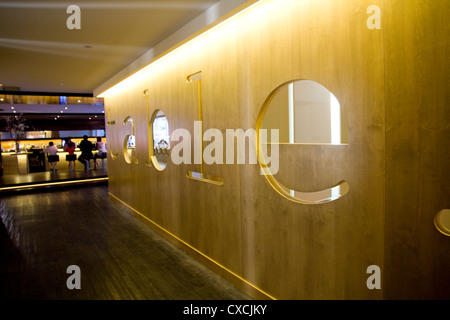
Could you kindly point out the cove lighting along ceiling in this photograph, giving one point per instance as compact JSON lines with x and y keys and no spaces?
{"x":180,"y":47}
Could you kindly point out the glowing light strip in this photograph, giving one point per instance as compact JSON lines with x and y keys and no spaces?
{"x":177,"y":49}
{"x":104,"y":6}
{"x":194,"y":249}
{"x":46,"y":184}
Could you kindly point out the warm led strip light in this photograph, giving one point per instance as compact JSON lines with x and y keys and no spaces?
{"x":177,"y":49}
{"x":194,"y":249}
{"x":47,"y":184}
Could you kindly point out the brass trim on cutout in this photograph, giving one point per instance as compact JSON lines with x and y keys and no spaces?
{"x":197,"y":76}
{"x":308,"y":198}
{"x":202,"y":175}
{"x":152,"y":160}
{"x":149,"y":162}
{"x":129,"y":154}
{"x":440,"y":225}
{"x":151,"y":146}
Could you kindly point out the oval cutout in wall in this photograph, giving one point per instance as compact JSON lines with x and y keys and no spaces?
{"x":161,"y":140}
{"x":303,"y":112}
{"x":129,"y":148}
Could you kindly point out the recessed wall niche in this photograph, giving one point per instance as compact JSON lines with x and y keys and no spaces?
{"x":306,"y":112}
{"x":302,"y":112}
{"x":160,"y":140}
{"x":129,"y":144}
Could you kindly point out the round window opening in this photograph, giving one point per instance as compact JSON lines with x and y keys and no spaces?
{"x":129,"y":148}
{"x":161,"y":140}
{"x":129,"y":143}
{"x":300,"y":112}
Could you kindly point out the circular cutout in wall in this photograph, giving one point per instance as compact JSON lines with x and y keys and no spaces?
{"x":300,"y":112}
{"x":161,"y":140}
{"x":129,"y":144}
{"x":129,"y":148}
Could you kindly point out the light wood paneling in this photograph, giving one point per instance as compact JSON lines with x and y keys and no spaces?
{"x":417,"y":146}
{"x":319,"y":241}
{"x":244,"y":229}
{"x":287,"y":250}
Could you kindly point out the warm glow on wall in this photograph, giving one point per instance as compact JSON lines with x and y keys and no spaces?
{"x":335,"y":96}
{"x":219,"y":31}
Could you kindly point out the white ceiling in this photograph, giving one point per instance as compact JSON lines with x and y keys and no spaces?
{"x":39,"y":53}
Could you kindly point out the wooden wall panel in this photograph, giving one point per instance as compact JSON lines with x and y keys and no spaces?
{"x":244,"y":229}
{"x":417,"y":146}
{"x":312,"y":251}
{"x":286,"y":249}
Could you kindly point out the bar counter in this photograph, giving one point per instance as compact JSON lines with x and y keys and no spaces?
{"x":29,"y":162}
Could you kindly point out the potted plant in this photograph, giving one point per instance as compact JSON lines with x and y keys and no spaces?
{"x":17,"y":129}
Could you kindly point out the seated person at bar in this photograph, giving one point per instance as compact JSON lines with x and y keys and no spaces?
{"x":86,"y":151}
{"x":52,"y":152}
{"x":69,"y":147}
{"x":51,"y":149}
{"x":101,"y":147}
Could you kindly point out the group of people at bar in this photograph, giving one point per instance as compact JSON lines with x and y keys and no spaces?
{"x":86,"y":147}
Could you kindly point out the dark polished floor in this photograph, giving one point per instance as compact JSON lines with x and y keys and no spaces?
{"x":48,"y":179}
{"x":45,"y":231}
